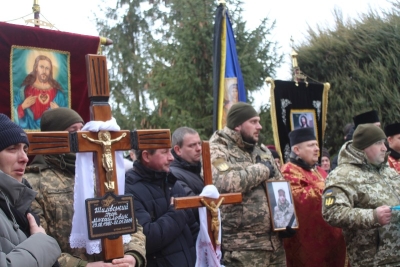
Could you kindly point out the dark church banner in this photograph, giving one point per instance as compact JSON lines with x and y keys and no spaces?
{"x":42,"y":69}
{"x":297,"y":105}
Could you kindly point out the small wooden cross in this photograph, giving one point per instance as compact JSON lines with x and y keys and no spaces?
{"x":196,"y":201}
{"x":103,"y":144}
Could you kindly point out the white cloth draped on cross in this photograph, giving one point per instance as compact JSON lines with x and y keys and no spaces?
{"x":84,"y":188}
{"x":206,"y":256}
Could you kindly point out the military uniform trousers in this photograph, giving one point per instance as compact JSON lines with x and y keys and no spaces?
{"x":255,"y":258}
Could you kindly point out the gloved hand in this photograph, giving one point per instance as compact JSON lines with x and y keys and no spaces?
{"x":289,"y":232}
{"x":267,"y":164}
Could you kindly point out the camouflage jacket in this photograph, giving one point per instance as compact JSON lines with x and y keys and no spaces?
{"x":54,"y":205}
{"x":353,"y":191}
{"x":283,"y":214}
{"x":246,"y":226}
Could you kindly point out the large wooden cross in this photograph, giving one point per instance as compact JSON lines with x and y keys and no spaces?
{"x":103,"y":156}
{"x":196,"y":201}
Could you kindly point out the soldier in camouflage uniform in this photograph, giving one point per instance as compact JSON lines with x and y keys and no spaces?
{"x":53,"y":177}
{"x":240,"y":165}
{"x":358,"y":196}
{"x":283,"y":211}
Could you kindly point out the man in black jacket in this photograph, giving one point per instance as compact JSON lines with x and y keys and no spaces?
{"x":186,"y":149}
{"x":170,"y":234}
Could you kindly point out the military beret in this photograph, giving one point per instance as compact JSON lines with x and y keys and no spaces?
{"x":366,"y":135}
{"x":59,"y":119}
{"x":239,"y":113}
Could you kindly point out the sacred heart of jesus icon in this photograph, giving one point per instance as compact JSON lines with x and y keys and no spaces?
{"x":44,"y":98}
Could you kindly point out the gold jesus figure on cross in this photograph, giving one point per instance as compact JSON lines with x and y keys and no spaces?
{"x":100,"y":110}
{"x":105,"y":141}
{"x":200,"y":201}
{"x":214,"y":217}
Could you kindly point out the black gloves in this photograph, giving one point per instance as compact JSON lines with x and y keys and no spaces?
{"x":267,"y":164}
{"x":289,"y":232}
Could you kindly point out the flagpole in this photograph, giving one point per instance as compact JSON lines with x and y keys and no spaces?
{"x":36,"y":11}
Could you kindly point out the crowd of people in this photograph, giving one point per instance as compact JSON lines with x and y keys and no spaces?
{"x":337,"y":213}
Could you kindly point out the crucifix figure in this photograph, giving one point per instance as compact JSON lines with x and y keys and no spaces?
{"x":104,"y":147}
{"x":214,"y":217}
{"x":199,"y":201}
{"x":105,"y":141}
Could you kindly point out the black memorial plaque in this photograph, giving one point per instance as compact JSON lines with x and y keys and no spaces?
{"x":110,"y":216}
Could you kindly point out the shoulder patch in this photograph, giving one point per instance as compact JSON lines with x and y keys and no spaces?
{"x":329,"y":201}
{"x":221,"y":164}
{"x":329,"y":197}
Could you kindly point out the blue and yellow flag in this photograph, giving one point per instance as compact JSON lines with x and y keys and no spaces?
{"x":228,"y":85}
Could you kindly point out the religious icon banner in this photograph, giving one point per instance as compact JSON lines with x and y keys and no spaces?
{"x":297,"y":105}
{"x":42,"y":69}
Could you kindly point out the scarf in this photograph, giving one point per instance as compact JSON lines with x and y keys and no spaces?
{"x":299,"y":162}
{"x":394,"y":153}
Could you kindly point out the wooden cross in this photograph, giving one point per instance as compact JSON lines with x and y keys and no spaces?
{"x":103,"y":144}
{"x":196,"y":201}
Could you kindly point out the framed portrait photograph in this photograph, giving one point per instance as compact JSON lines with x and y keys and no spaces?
{"x":303,"y":118}
{"x":281,"y":205}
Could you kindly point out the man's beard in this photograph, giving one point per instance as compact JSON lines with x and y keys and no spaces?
{"x":43,"y":80}
{"x":248,"y":138}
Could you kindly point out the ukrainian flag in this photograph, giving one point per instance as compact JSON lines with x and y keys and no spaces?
{"x":228,"y":85}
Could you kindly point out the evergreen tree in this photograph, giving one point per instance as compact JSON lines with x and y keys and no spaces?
{"x":162,"y":63}
{"x":360,"y":59}
{"x":266,"y":134}
{"x":128,"y":26}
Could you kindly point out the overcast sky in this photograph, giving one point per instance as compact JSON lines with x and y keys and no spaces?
{"x":292,"y":17}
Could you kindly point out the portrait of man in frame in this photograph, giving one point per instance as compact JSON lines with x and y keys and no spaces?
{"x":40,"y":80}
{"x":281,"y":205}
